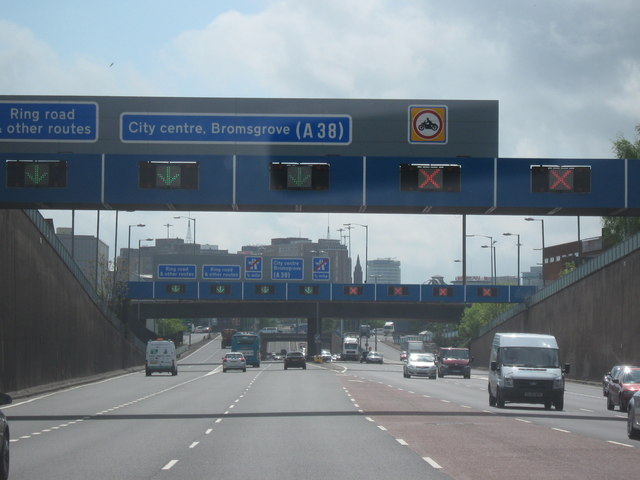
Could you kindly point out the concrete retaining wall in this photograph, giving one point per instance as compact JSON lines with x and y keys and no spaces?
{"x":596,"y":321}
{"x":50,"y":329}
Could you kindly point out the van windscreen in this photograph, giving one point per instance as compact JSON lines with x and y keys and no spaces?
{"x":534,"y":357}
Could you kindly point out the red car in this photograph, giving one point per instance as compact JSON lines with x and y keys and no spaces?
{"x":623,"y":386}
{"x":403,"y":356}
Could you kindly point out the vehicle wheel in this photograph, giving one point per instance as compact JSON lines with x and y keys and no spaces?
{"x":492,"y":400}
{"x":467,"y":376}
{"x":631,"y":431}
{"x":623,"y":406}
{"x":304,"y":368}
{"x":244,"y":369}
{"x":4,"y":457}
{"x":175,"y":372}
{"x":147,"y":373}
{"x":433,"y":378}
{"x":499,"y":399}
{"x":547,"y":405}
{"x":610,"y":405}
{"x":559,"y":405}
{"x":285,"y":367}
{"x":224,"y":370}
{"x":440,"y":374}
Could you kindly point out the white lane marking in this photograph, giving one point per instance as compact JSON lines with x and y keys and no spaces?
{"x":586,"y":410}
{"x":445,"y":401}
{"x":218,"y":420}
{"x":382,"y":428}
{"x":401,"y":442}
{"x":194,"y":444}
{"x":560,"y":430}
{"x":209,"y":430}
{"x":356,"y":405}
{"x":465,"y":406}
{"x":369,"y":419}
{"x":169,"y":465}
{"x":621,"y":444}
{"x":523,"y":420}
{"x":431,"y":462}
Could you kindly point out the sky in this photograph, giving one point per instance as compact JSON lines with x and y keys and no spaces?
{"x":566,"y":75}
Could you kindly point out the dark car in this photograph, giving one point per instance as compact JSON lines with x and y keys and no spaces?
{"x":633,"y":417}
{"x":373,"y":357}
{"x":623,"y":386}
{"x":4,"y":439}
{"x":295,"y":360}
{"x":608,"y":377}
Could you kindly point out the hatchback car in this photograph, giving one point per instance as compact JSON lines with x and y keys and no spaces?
{"x":295,"y":359}
{"x":623,"y":386}
{"x":420,"y":364}
{"x":633,"y":417}
{"x":4,"y":439}
{"x":326,"y":355}
{"x":234,"y":361}
{"x":374,"y":357}
{"x":608,"y":377}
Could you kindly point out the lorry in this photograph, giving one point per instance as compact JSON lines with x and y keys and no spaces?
{"x":454,"y":361}
{"x":525,"y":368}
{"x":389,"y":328}
{"x":350,"y":348}
{"x":227,"y":333}
{"x":414,"y":346}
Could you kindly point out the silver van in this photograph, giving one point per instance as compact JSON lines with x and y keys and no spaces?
{"x":525,"y":368}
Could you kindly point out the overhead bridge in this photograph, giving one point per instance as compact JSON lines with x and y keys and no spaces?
{"x":438,"y":303}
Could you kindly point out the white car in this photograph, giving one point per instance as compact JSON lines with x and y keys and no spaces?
{"x":420,"y":364}
{"x":234,"y":361}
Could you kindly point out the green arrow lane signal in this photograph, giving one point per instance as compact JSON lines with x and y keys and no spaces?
{"x":168,"y":176}
{"x":299,"y":176}
{"x":35,"y":174}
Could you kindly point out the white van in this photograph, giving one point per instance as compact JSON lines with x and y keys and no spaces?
{"x":161,"y":357}
{"x":525,"y":368}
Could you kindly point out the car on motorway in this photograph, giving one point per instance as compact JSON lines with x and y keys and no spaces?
{"x":269,"y":330}
{"x":633,"y":417}
{"x":403,"y":356}
{"x":420,"y":365}
{"x":374,"y":357}
{"x":4,"y":439}
{"x":608,"y":377}
{"x":326,"y":355}
{"x":295,"y":360}
{"x":234,"y":361}
{"x":623,"y":386}
{"x":454,"y":361}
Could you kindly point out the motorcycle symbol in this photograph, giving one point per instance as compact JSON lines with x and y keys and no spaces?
{"x":428,"y":124}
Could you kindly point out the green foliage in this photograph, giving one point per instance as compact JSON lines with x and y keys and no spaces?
{"x":169,"y":326}
{"x":476,"y":316}
{"x":568,"y":268}
{"x":616,"y":229}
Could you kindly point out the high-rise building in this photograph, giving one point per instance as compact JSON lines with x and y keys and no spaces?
{"x":384,"y":270}
{"x":93,"y":263}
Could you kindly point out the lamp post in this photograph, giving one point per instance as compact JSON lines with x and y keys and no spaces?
{"x":518,"y":245}
{"x":541,"y":220}
{"x":366,"y":247}
{"x":129,"y":249}
{"x":139,"y":242}
{"x":491,"y":248}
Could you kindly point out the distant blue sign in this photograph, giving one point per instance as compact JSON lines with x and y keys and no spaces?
{"x":46,"y":122}
{"x":253,"y":268}
{"x":249,"y":128}
{"x":221,"y":272}
{"x":321,"y":270}
{"x":287,"y":268}
{"x":177,"y":271}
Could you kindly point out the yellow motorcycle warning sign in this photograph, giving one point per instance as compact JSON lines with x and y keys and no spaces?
{"x":428,"y":124}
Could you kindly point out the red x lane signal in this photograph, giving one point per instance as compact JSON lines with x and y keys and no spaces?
{"x":487,"y":292}
{"x":443,"y":291}
{"x":398,"y":291}
{"x":560,"y":179}
{"x":353,"y":290}
{"x":429,"y":179}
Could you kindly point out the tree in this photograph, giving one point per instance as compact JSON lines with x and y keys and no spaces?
{"x":476,"y":316}
{"x":616,"y":229}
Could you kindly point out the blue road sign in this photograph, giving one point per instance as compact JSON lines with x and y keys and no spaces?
{"x":177,"y":271}
{"x":253,"y":268}
{"x":236,"y":129}
{"x":221,"y":272}
{"x":321,"y":268}
{"x":45,"y":122}
{"x":287,"y":268}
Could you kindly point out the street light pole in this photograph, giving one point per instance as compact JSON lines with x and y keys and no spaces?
{"x":492,"y":251}
{"x":518,"y":245}
{"x":529,"y":219}
{"x":129,"y":250}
